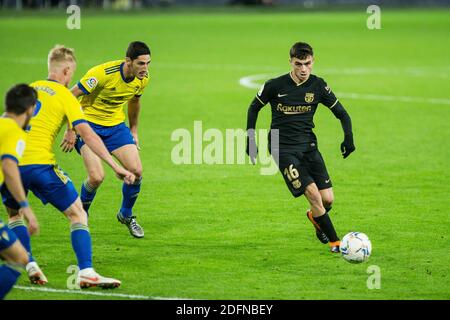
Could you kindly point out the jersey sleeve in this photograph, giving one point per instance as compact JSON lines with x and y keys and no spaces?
{"x":73,"y":110}
{"x":93,"y":79}
{"x":266,"y":92}
{"x":327,"y":96}
{"x":14,"y":146}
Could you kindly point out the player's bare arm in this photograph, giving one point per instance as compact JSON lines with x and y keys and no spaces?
{"x":70,"y":136}
{"x":96,"y":145}
{"x":76,"y":91}
{"x":134,"y":108}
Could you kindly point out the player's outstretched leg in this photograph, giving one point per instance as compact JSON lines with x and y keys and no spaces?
{"x":321,"y":217}
{"x":129,"y":157}
{"x":82,"y":246}
{"x":18,"y":226}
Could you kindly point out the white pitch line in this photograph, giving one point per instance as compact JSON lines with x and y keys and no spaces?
{"x":250,"y":82}
{"x":92,"y":293}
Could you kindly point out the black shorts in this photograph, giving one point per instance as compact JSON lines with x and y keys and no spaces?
{"x":299,"y":169}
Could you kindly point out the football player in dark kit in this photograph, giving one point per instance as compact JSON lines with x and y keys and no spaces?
{"x":294,"y":98}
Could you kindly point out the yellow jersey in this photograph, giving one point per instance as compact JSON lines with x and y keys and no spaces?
{"x":56,"y":105}
{"x":106,"y":91}
{"x":12,"y":141}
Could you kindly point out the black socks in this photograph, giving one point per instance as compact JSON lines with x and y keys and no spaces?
{"x":326,"y":226}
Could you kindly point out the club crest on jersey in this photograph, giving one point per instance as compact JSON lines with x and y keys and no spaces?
{"x":309,"y":97}
{"x":91,"y":82}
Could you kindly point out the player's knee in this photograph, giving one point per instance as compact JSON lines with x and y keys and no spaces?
{"x":76,"y":214}
{"x":96,"y":179}
{"x":327,"y":201}
{"x":80,"y":216}
{"x":137,"y":171}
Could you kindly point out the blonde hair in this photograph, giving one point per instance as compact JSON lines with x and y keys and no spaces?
{"x":60,"y":54}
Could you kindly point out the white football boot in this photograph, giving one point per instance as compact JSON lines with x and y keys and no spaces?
{"x":35,"y":274}
{"x":89,"y":278}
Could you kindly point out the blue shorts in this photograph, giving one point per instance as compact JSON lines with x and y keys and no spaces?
{"x":48,"y":182}
{"x":113,"y":137}
{"x":7,"y":236}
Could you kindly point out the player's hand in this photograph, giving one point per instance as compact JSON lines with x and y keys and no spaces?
{"x":68,"y":142}
{"x":33,"y":225}
{"x":125,"y":175}
{"x":347,"y":146}
{"x":136,"y":139}
{"x":251,"y":149}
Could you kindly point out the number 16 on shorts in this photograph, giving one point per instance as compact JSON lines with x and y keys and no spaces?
{"x":292,"y":174}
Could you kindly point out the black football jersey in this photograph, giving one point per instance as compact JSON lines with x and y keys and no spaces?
{"x":293,"y":107}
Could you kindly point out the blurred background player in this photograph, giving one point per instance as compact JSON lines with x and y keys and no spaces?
{"x":294,"y":98}
{"x":105,"y":89}
{"x":44,"y":177}
{"x":20,"y":102}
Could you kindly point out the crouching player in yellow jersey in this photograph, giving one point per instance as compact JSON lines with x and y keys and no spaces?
{"x":105,"y":89}
{"x":20,"y":102}
{"x":38,"y":167}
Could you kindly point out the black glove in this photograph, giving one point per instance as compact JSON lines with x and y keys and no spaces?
{"x":347,"y":146}
{"x":251,"y":149}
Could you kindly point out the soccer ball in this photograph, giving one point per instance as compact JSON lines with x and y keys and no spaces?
{"x":356,"y":247}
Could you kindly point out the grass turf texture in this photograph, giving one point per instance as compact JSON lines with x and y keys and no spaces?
{"x":224,"y":231}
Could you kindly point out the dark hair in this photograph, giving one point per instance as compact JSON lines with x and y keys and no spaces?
{"x":20,"y":98}
{"x":137,"y":48}
{"x":301,"y":50}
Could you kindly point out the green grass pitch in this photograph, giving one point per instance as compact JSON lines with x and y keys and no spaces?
{"x":225,"y":231}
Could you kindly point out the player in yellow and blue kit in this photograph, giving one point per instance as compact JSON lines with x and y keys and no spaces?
{"x":104,"y":91}
{"x":20,"y":102}
{"x":38,"y":167}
